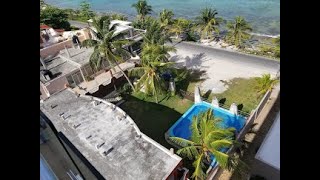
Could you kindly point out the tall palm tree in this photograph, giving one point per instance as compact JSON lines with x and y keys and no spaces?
{"x":238,"y":31}
{"x":265,"y":83}
{"x":207,"y":138}
{"x":156,"y":53}
{"x":142,"y":8}
{"x":155,"y":34}
{"x":143,"y":23}
{"x":149,"y":80}
{"x":107,"y":46}
{"x":207,"y":22}
{"x":154,"y":59}
{"x":166,"y":17}
{"x":180,"y":26}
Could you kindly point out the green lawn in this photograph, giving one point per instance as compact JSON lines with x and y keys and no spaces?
{"x":155,"y":119}
{"x":241,"y":91}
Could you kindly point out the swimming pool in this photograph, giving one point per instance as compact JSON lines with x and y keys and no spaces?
{"x":182,"y":127}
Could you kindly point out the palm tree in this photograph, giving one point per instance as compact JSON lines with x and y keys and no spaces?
{"x":166,"y":17}
{"x":107,"y":46}
{"x":143,"y":23}
{"x":265,"y":83}
{"x":155,"y":34}
{"x":115,"y":16}
{"x":180,"y":26}
{"x":142,"y":8}
{"x":150,"y":80}
{"x":238,"y":31}
{"x":207,"y":22}
{"x":156,"y":53}
{"x":154,"y":58}
{"x":206,"y":139}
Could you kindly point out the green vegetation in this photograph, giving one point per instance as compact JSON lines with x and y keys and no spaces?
{"x":115,"y":16}
{"x":154,"y":58}
{"x":107,"y":47}
{"x":173,"y":102}
{"x":240,"y":91}
{"x":269,"y":48}
{"x":150,"y":81}
{"x":54,"y":17}
{"x":239,"y":30}
{"x":204,"y":27}
{"x":206,"y":139}
{"x":166,"y":17}
{"x":142,"y":8}
{"x":264,"y":84}
{"x":155,"y":34}
{"x":207,"y":23}
{"x":155,"y":119}
{"x":85,"y":12}
{"x":181,"y":26}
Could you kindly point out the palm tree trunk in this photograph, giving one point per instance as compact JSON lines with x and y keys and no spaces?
{"x":125,"y":75}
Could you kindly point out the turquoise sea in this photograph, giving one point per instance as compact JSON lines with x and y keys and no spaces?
{"x":264,"y":15}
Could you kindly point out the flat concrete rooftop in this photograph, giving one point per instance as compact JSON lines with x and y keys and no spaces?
{"x":80,"y":56}
{"x":108,"y":138}
{"x":58,"y":65}
{"x":269,"y":151}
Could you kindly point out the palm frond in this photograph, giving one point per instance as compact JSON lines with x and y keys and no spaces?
{"x":137,"y":72}
{"x":141,"y":82}
{"x":222,"y":143}
{"x":95,"y":59}
{"x":198,"y":165}
{"x":238,"y":167}
{"x":182,"y":142}
{"x":89,"y":43}
{"x":190,"y":152}
{"x":222,"y":158}
{"x":195,"y":133}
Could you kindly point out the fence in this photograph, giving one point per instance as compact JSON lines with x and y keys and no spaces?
{"x":250,"y":120}
{"x":190,"y":96}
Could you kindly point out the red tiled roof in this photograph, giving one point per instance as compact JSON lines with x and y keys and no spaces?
{"x":43,"y":26}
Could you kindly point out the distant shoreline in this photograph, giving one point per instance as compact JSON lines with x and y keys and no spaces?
{"x":131,"y":18}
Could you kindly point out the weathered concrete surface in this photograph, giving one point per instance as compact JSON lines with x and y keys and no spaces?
{"x":221,"y":64}
{"x":109,"y":141}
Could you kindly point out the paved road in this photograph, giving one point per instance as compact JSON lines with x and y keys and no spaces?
{"x":78,"y":24}
{"x":220,"y":64}
{"x":230,"y":56}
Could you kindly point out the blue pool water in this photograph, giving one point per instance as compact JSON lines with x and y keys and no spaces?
{"x":182,"y":127}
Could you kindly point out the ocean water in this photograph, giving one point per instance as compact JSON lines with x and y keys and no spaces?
{"x":264,"y":15}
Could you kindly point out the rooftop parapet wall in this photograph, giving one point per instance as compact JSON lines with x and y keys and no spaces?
{"x":55,"y":48}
